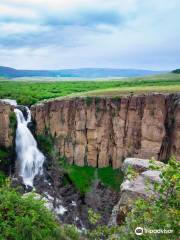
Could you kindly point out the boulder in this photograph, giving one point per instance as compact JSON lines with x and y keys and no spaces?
{"x":138,"y":164}
{"x":142,"y":186}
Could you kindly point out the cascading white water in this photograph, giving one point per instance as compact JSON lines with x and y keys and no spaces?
{"x":29,"y":158}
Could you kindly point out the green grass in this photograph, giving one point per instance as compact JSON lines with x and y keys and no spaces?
{"x":30,"y":92}
{"x":110,"y":177}
{"x":83,"y":177}
{"x":113,"y":92}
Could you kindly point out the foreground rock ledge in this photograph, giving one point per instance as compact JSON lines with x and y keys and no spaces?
{"x":136,"y":188}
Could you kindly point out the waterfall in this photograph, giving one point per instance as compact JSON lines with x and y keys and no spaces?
{"x":29,"y":158}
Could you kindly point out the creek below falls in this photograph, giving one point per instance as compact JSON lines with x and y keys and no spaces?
{"x":37,"y":171}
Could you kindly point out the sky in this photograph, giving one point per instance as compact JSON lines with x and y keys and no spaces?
{"x":59,"y":34}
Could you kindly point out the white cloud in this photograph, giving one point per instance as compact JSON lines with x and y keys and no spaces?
{"x":15,"y":12}
{"x":9,"y":29}
{"x":69,"y":4}
{"x":75,"y":33}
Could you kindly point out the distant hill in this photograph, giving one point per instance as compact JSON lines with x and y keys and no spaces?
{"x":81,"y":72}
{"x":176,"y":71}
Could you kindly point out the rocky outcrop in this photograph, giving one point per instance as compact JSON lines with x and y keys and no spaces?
{"x":103,"y":131}
{"x":6,"y":137}
{"x":137,"y":164}
{"x":139,"y":186}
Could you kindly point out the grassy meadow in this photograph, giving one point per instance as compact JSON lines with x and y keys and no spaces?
{"x":29,"y":92}
{"x":83,"y":177}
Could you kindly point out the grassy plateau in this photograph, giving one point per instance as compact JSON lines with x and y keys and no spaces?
{"x":28,"y":92}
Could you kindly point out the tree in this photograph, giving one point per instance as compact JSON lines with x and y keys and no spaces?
{"x":176,"y":71}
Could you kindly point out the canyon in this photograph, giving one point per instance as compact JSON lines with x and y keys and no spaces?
{"x":92,"y":131}
{"x":100,"y":132}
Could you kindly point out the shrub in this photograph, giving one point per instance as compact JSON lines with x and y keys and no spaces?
{"x":3,"y":154}
{"x":46,"y":143}
{"x":93,"y":216}
{"x":89,"y":101}
{"x":12,"y":121}
{"x":26,"y":218}
{"x":5,"y":157}
{"x":71,"y":232}
{"x":104,"y":233}
{"x":2,"y":178}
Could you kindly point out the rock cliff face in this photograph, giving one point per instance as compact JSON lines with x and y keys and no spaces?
{"x":5,"y":130}
{"x":103,"y":131}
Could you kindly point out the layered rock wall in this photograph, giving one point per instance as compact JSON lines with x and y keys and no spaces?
{"x":6,"y":137}
{"x":103,"y":131}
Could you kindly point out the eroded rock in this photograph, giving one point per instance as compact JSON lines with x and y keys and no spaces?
{"x":103,"y":131}
{"x":6,"y":137}
{"x":141,"y":186}
{"x":138,"y":164}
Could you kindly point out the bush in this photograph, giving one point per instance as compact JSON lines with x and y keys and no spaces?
{"x":5,"y":157}
{"x":93,"y":216}
{"x":71,"y":232}
{"x":12,"y":121}
{"x":26,"y":218}
{"x":46,"y":143}
{"x":89,"y":101}
{"x":3,"y":154}
{"x":2,"y":178}
{"x":104,"y":233}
